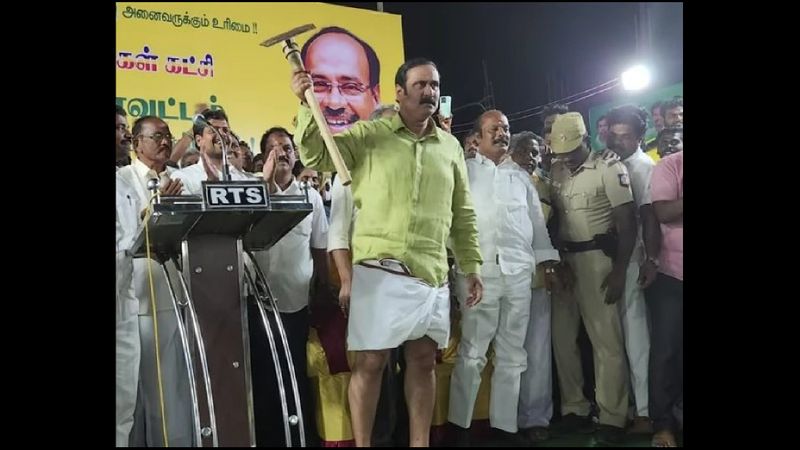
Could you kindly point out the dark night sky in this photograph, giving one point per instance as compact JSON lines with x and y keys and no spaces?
{"x":576,"y":45}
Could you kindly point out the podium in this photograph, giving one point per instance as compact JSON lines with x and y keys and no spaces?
{"x":210,"y":240}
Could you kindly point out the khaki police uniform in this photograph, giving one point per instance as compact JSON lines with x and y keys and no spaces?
{"x":584,"y":201}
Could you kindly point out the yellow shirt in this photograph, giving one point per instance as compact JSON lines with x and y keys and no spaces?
{"x":412,"y":193}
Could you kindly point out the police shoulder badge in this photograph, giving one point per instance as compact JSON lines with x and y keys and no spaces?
{"x":624,"y":181}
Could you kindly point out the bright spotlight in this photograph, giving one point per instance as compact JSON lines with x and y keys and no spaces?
{"x":636,"y":78}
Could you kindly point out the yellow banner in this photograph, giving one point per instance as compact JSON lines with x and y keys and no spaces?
{"x":171,"y":57}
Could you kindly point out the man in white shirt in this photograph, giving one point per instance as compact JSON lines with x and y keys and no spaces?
{"x":289,"y":266}
{"x":343,"y":216}
{"x":627,"y":125}
{"x":128,"y":346}
{"x":209,"y":167}
{"x":152,"y":142}
{"x":513,"y":240}
{"x":127,"y":324}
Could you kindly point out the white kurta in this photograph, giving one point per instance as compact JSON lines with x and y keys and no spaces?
{"x":343,"y":216}
{"x":513,"y":239}
{"x":193,"y":176}
{"x":288,"y":265}
{"x":177,"y":400}
{"x":128,"y":346}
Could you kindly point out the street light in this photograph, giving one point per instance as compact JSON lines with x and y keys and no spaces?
{"x":636,"y":78}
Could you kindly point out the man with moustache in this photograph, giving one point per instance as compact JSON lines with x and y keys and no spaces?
{"x":596,"y":232}
{"x":289,"y":266}
{"x":627,"y":127}
{"x":332,"y":331}
{"x":672,"y":111}
{"x":470,"y":144}
{"x":152,"y":142}
{"x":210,"y":165}
{"x":513,"y":240}
{"x":123,"y":138}
{"x":411,"y":190}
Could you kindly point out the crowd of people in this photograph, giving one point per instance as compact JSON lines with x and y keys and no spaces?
{"x":444,"y":282}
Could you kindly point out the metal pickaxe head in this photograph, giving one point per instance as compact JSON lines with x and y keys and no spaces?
{"x":288,"y":35}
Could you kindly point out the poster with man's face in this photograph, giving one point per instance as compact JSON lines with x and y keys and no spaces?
{"x":346,"y":75}
{"x":171,"y":56}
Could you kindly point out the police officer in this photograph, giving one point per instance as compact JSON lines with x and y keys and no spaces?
{"x":596,"y":231}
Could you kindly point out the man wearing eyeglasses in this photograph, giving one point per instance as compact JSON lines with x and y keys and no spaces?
{"x":345,"y":72}
{"x":152,"y":142}
{"x":208,"y":142}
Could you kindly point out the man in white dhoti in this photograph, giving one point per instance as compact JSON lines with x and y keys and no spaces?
{"x":411,"y":190}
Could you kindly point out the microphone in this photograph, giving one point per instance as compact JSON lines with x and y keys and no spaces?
{"x":152,"y":185}
{"x":200,"y":120}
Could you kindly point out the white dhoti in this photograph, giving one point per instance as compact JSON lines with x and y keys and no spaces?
{"x":501,"y":317}
{"x":388,"y":308}
{"x":633,"y":312}
{"x":147,"y":427}
{"x":536,"y":387}
{"x":147,"y":430}
{"x":128,"y":349}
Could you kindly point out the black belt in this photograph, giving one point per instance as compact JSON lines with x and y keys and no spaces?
{"x":404,"y":271}
{"x":577,"y":247}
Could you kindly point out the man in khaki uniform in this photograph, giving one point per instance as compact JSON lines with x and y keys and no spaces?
{"x":595,"y":211}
